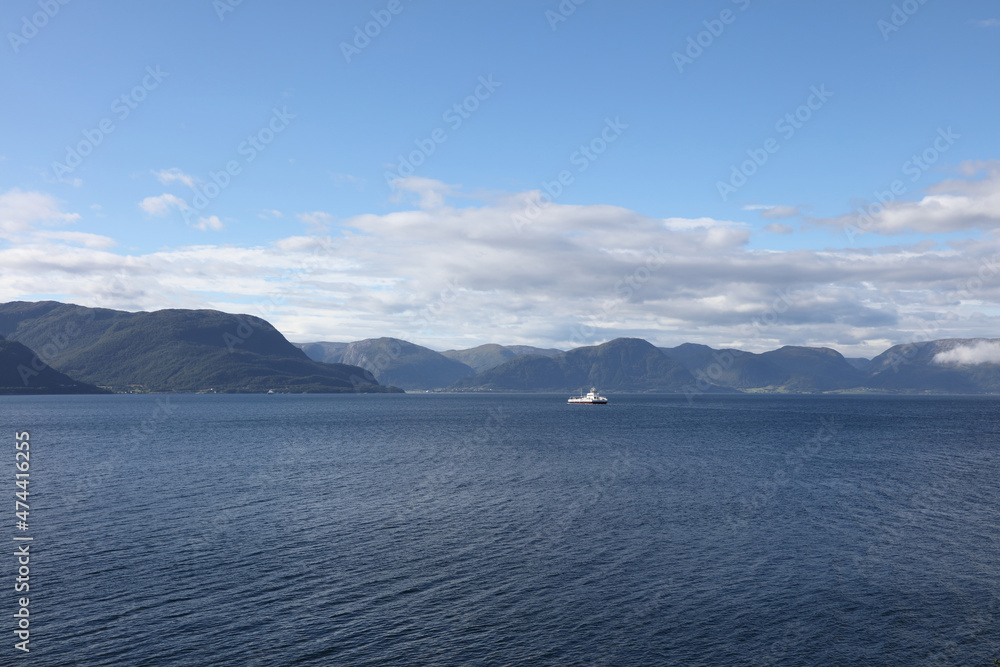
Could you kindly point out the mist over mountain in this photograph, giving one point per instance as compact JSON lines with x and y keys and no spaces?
{"x":953,"y":365}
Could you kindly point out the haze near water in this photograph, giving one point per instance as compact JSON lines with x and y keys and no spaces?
{"x":512,"y":530}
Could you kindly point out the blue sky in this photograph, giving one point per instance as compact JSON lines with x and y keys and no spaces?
{"x":318,"y":229}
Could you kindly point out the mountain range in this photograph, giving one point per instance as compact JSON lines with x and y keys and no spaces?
{"x":491,"y":355}
{"x":172,"y":350}
{"x":413,"y":367}
{"x":949,"y":366}
{"x":51,"y":347}
{"x":624,"y":364}
{"x":393,"y":361}
{"x":960,"y":366}
{"x":789,"y":369}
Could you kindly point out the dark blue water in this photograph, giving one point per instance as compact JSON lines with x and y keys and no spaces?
{"x":508,"y":530}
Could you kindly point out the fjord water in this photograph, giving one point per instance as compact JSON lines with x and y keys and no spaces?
{"x":510,"y":530}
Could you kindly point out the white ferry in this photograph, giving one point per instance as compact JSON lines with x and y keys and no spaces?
{"x":591,"y":398}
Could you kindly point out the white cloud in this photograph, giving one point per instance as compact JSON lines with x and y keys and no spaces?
{"x":175,"y":175}
{"x":570,"y":275}
{"x":774,"y":212}
{"x":20,"y":211}
{"x":981,"y":352}
{"x":348,"y":179}
{"x":778,"y":228}
{"x":959,"y":204}
{"x":318,"y":220}
{"x":270,"y":213}
{"x":211,"y":222}
{"x":78,"y":238}
{"x":430,"y":193}
{"x":989,"y":23}
{"x":161,"y":205}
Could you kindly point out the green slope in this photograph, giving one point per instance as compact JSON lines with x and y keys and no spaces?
{"x":174,"y":350}
{"x":403,"y":364}
{"x":729,"y":368}
{"x":814,"y":369}
{"x":23,"y":372}
{"x":789,"y":369}
{"x":481,"y":358}
{"x":914,"y":367}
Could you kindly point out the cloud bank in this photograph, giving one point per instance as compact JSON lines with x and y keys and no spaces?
{"x":954,"y":205}
{"x":982,"y":352}
{"x":519,"y":268}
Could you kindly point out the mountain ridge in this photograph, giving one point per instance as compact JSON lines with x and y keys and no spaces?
{"x":174,"y":350}
{"x":630,"y":364}
{"x":395,"y":361}
{"x":22,"y":371}
{"x":196,"y":350}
